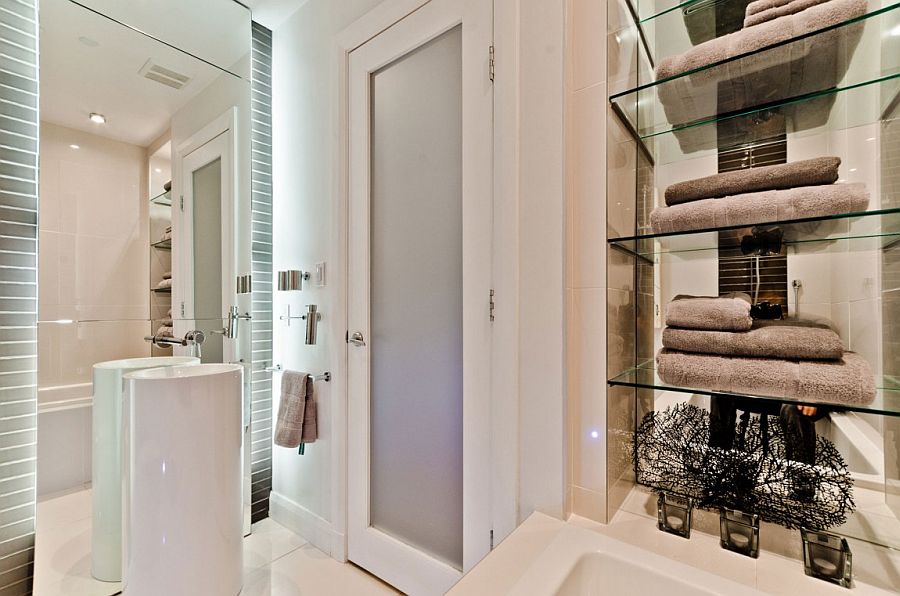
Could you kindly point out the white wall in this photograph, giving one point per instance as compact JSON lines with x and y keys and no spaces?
{"x":308,"y":491}
{"x":93,"y":269}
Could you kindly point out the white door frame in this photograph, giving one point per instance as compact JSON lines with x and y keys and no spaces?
{"x":182,"y":255}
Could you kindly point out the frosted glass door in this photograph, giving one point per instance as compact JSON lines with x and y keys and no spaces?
{"x":207,"y":266}
{"x":419,"y":275}
{"x":416,"y":475}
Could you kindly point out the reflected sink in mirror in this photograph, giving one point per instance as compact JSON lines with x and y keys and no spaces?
{"x":106,"y":530}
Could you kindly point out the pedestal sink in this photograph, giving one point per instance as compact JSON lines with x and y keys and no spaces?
{"x":183,"y":478}
{"x":106,"y":474}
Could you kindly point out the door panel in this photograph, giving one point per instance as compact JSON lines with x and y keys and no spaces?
{"x":418,"y":295}
{"x":416,"y":299}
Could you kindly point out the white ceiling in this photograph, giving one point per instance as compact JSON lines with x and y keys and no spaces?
{"x":91,"y":64}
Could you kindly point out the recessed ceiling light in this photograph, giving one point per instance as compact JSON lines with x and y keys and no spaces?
{"x":97,"y":118}
{"x":91,"y":43}
{"x":852,"y":169}
{"x":73,"y":146}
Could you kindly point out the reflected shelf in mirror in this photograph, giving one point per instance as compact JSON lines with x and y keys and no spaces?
{"x":163,"y":244}
{"x":164,"y":199}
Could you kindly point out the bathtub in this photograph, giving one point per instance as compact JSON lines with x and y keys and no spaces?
{"x":860,"y":444}
{"x":579,"y":562}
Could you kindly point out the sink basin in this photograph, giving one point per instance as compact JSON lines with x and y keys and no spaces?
{"x":106,"y":470}
{"x":183,"y":468}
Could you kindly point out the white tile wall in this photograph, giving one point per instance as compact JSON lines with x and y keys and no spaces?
{"x":93,"y":270}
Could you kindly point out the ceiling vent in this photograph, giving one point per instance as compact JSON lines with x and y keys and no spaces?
{"x":163,"y":75}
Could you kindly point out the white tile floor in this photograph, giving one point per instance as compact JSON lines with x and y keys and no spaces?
{"x":277,"y":562}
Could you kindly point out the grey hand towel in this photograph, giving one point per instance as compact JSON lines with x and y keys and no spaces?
{"x":808,"y":172}
{"x":296,"y":422}
{"x":791,"y":339}
{"x":761,"y":207}
{"x":729,"y":312}
{"x":845,"y":381}
{"x":768,"y":10}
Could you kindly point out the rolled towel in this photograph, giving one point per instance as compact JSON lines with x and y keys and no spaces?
{"x":167,"y":275}
{"x":296,"y":422}
{"x":808,"y":172}
{"x":164,"y":283}
{"x":165,"y":331}
{"x":845,"y":381}
{"x":767,"y":206}
{"x":167,"y":322}
{"x":791,"y":339}
{"x":729,"y":312}
{"x":769,"y":10}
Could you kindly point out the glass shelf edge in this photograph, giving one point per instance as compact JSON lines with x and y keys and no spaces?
{"x":840,"y":216}
{"x":621,"y":381}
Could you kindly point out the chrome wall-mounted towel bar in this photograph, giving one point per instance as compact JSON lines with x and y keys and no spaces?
{"x":325,"y":376}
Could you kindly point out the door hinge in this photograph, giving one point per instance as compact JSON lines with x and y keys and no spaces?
{"x":491,"y":63}
{"x":492,"y":540}
{"x":491,"y":304}
{"x":181,"y":203}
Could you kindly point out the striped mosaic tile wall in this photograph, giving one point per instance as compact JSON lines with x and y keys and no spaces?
{"x":261,"y":163}
{"x":18,"y":291}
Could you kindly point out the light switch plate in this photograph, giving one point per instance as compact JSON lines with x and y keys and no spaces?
{"x":320,"y":274}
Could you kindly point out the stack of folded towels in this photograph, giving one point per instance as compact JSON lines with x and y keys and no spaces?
{"x":713,"y":343}
{"x":167,"y":235}
{"x":166,"y":328}
{"x":796,"y":190}
{"x":808,"y":46}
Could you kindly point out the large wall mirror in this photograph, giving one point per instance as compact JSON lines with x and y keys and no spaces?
{"x":144,"y":236}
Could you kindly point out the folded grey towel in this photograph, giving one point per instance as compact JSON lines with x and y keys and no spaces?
{"x":297,"y":410}
{"x":808,"y":172}
{"x":164,"y":283}
{"x":167,"y":275}
{"x":845,"y":381}
{"x":729,"y":312}
{"x":786,"y":69}
{"x":761,"y":207}
{"x":792,"y":339}
{"x":762,"y":36}
{"x":768,"y":10}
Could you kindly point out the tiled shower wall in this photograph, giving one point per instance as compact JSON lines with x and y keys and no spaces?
{"x":261,"y":197}
{"x":18,"y":292}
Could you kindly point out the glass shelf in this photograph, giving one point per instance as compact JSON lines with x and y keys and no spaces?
{"x":799,"y":79}
{"x":861,"y":231}
{"x":161,"y":290}
{"x":886,"y":402}
{"x":163,"y":244}
{"x":164,"y":199}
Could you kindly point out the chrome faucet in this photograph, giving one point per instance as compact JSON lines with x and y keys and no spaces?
{"x":194,"y":339}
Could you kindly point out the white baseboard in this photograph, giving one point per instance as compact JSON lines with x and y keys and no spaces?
{"x":314,"y":529}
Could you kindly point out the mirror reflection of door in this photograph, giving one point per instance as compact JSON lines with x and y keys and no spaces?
{"x":204,"y":286}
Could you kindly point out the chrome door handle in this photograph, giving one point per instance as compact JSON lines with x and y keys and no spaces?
{"x":356,"y":338}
